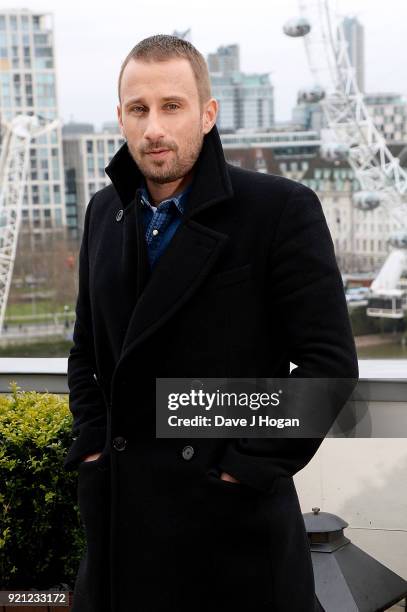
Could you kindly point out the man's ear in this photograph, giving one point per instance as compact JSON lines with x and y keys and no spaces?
{"x":209,"y":115}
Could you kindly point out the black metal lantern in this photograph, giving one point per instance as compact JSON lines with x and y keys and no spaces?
{"x":346,"y":578}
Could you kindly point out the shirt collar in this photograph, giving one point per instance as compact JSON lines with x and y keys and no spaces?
{"x":211,"y":184}
{"x":179,"y":199}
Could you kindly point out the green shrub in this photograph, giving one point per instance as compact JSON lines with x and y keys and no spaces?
{"x":41,"y":537}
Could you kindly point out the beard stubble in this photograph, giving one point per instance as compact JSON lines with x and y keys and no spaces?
{"x":167,"y":170}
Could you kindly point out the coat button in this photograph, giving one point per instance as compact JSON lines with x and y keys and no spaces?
{"x":119,"y":443}
{"x":119,"y":214}
{"x":187,"y":453}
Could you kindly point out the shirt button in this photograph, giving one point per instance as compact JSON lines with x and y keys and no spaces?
{"x":155,"y":232}
{"x":187,"y":452}
{"x":119,"y":215}
{"x":119,"y":443}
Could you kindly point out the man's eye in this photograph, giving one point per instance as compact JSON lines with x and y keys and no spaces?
{"x":137,"y":109}
{"x":172,"y":106}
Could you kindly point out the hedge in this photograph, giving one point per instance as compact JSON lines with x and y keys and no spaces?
{"x":41,"y":536}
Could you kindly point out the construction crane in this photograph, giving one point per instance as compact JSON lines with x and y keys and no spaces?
{"x":352,"y":135}
{"x":15,"y":147}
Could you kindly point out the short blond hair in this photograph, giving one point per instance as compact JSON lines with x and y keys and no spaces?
{"x":162,"y":47}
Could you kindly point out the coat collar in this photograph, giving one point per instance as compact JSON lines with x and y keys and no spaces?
{"x":189,"y":257}
{"x":211,"y":182}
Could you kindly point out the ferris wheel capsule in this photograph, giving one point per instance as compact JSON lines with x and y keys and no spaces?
{"x":23,"y":125}
{"x":366,"y":200}
{"x":398,"y":240}
{"x":310,"y":95}
{"x":297,"y":26}
{"x":334,"y":151}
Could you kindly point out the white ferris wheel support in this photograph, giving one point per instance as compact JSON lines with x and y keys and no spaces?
{"x":17,"y":135}
{"x":351,"y":133}
{"x":376,"y":168}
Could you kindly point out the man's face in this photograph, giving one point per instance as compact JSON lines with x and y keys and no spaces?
{"x":161,"y":118}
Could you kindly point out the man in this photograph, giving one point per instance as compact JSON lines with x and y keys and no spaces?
{"x":191,"y":267}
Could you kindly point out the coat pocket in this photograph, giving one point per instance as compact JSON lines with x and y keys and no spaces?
{"x":91,"y":592}
{"x":100,"y":462}
{"x":235,"y":541}
{"x":94,"y":496}
{"x":213,"y":477}
{"x":229,"y":277}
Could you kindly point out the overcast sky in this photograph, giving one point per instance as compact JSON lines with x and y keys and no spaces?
{"x":93,"y":37}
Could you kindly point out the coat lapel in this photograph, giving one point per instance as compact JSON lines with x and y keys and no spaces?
{"x":188,"y":258}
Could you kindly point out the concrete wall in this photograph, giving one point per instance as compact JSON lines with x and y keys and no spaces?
{"x":364,"y":481}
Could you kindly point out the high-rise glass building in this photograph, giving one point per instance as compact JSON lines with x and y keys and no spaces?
{"x":355,"y":37}
{"x":225,"y":62}
{"x":28,"y":86}
{"x":246,"y":101}
{"x":86,"y":154}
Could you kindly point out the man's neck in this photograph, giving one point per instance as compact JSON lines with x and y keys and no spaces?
{"x":160,"y":192}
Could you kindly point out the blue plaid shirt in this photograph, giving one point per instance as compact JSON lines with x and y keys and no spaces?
{"x":161,"y":222}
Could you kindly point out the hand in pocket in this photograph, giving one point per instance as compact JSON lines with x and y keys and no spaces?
{"x":228,"y":477}
{"x":92,"y":457}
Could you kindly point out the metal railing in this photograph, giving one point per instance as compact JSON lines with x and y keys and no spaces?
{"x":378,"y":404}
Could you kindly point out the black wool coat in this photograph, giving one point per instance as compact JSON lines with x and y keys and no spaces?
{"x":248,"y":283}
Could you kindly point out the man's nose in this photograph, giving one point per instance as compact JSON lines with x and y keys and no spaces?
{"x":153,"y":130}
